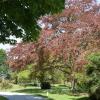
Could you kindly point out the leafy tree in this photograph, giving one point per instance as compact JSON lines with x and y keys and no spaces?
{"x":42,"y":63}
{"x":70,"y":34}
{"x":22,"y":15}
{"x":24,"y":76}
{"x":3,"y":57}
{"x":67,"y":36}
{"x":93,"y":72}
{"x":22,"y":55}
{"x":3,"y":65}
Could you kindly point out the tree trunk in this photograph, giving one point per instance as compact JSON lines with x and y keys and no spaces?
{"x":73,"y":85}
{"x":16,"y":80}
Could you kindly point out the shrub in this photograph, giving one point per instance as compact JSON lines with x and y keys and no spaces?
{"x":93,"y":71}
{"x":5,"y":85}
{"x":82,"y":81}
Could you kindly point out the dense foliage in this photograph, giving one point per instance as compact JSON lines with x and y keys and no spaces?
{"x":3,"y":65}
{"x":19,"y":17}
{"x":93,"y":72}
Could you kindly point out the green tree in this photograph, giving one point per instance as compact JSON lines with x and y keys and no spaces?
{"x":3,"y":65}
{"x":93,"y":72}
{"x":2,"y":56}
{"x":19,"y":15}
{"x":24,"y":76}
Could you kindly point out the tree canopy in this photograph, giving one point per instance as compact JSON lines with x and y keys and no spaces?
{"x":21,"y":15}
{"x":3,"y":66}
{"x":66,"y":38}
{"x":3,"y":57}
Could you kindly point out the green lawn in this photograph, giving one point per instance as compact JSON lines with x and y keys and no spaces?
{"x":2,"y":98}
{"x":63,"y":97}
{"x":58,"y":92}
{"x":55,"y":93}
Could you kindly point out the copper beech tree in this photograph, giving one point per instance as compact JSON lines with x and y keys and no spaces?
{"x":73,"y":33}
{"x":68,"y":36}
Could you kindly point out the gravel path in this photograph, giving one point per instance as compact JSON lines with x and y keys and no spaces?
{"x":19,"y":96}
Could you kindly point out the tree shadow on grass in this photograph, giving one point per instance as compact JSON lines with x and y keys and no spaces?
{"x":46,"y":97}
{"x":83,"y":98}
{"x":30,"y":91}
{"x":63,"y":86}
{"x":36,"y":92}
{"x":60,"y":86}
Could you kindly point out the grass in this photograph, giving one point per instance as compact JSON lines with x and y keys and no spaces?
{"x":54,"y":94}
{"x":2,"y":98}
{"x":58,"y":92}
{"x":62,"y":97}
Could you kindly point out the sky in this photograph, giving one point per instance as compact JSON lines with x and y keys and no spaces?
{"x":7,"y":46}
{"x":98,"y":1}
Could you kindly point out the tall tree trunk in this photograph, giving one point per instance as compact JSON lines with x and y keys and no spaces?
{"x":73,"y":83}
{"x":16,"y":80}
